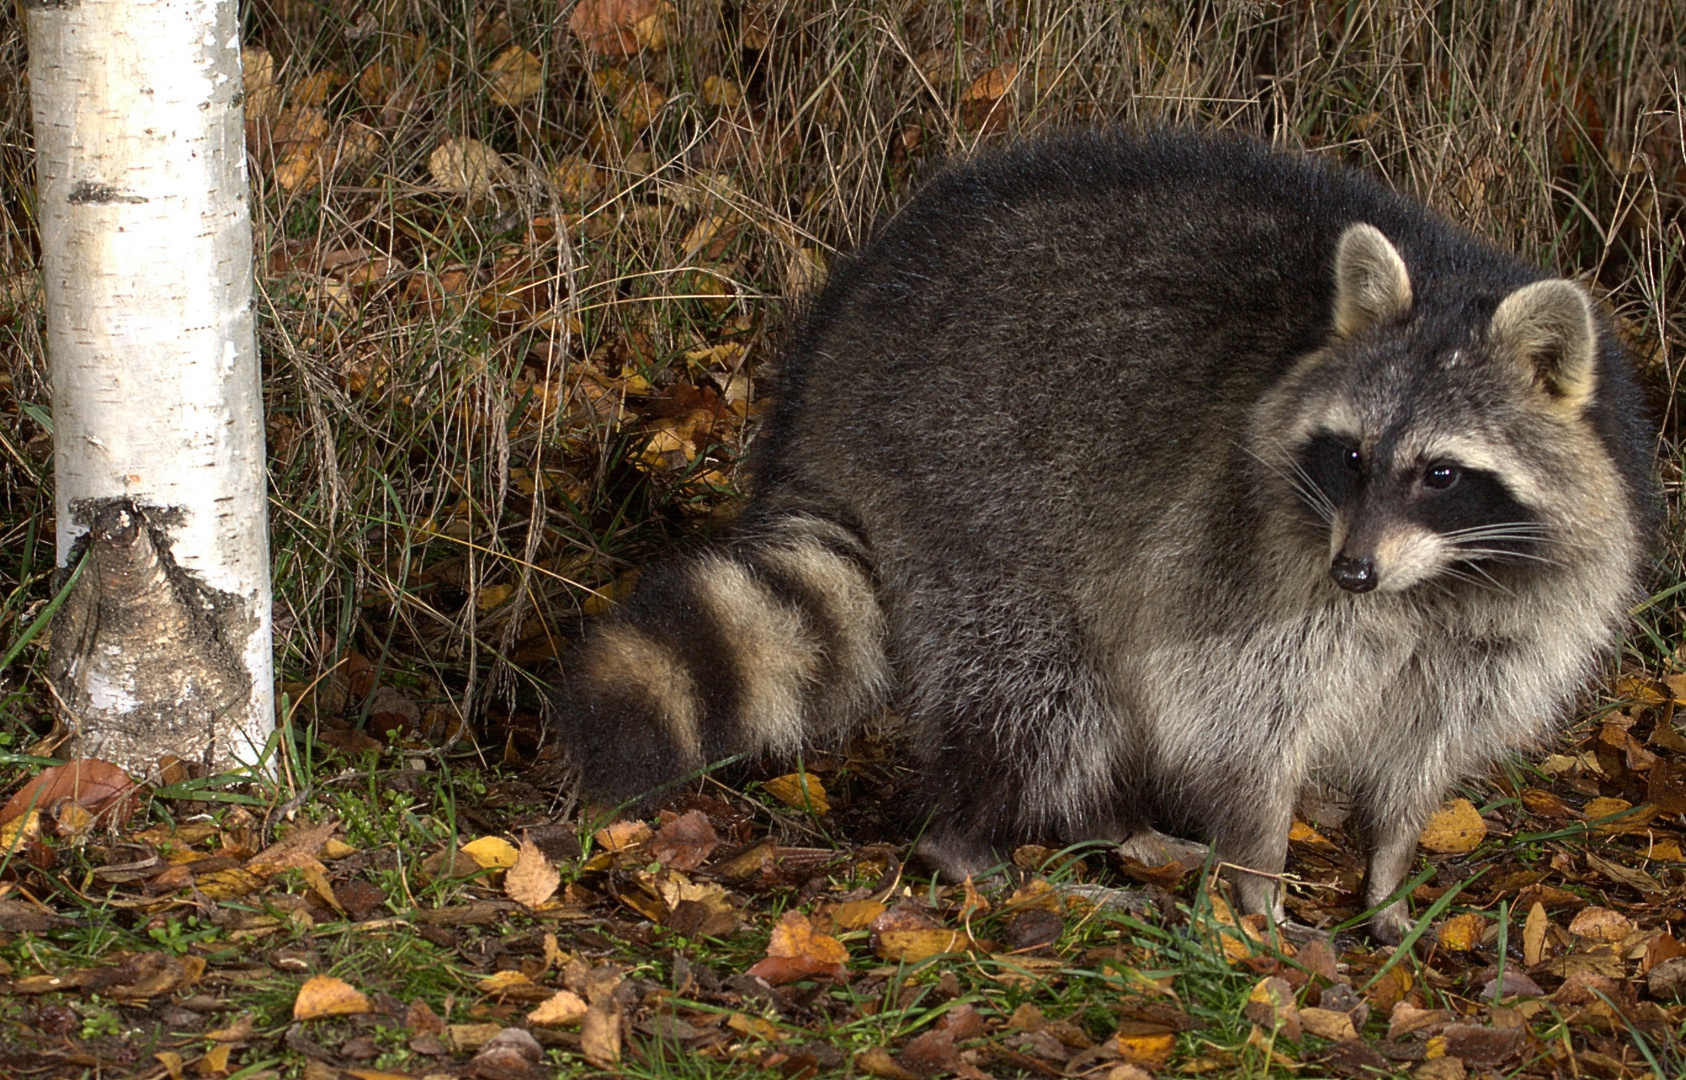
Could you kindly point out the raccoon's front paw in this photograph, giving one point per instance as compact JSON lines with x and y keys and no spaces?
{"x":1390,"y":925}
{"x":955,"y":858}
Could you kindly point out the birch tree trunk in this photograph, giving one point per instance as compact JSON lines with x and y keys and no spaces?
{"x":163,"y":646}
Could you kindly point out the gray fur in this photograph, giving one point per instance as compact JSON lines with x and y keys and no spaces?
{"x":1051,"y":468}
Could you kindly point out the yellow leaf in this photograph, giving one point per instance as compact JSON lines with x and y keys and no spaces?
{"x":1328,"y":1023}
{"x":754,"y":1026}
{"x":856,"y":914}
{"x":1144,"y":1044}
{"x":171,"y":1061}
{"x":316,"y":877}
{"x":801,"y":790}
{"x":491,"y":852}
{"x":229,"y":884}
{"x":324,"y":995}
{"x":493,"y":595}
{"x":911,"y":946}
{"x":337,"y":849}
{"x":516,"y":76}
{"x":1455,"y":830}
{"x":563,"y":1009}
{"x":215,"y":1061}
{"x":532,"y":880}
{"x":502,"y":982}
{"x":1461,"y":933}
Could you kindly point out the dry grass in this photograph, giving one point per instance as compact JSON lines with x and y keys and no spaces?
{"x":464,"y":387}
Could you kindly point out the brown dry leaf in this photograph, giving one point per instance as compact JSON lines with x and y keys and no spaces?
{"x":797,"y":951}
{"x":1271,"y":1006}
{"x":1601,"y":924}
{"x":600,"y":1034}
{"x":314,"y":90}
{"x":639,"y":103}
{"x":879,"y":1062}
{"x":1461,"y":933}
{"x":324,"y":995}
{"x":754,"y":1026}
{"x":1638,"y":880}
{"x":686,"y":842}
{"x":1534,"y":935}
{"x":622,"y":835}
{"x":298,"y":847}
{"x":801,"y":790}
{"x":562,"y":1009}
{"x":993,"y":84}
{"x":609,"y":27}
{"x":99,"y":787}
{"x":856,"y":914}
{"x":516,"y":76}
{"x":171,"y":1061}
{"x":1328,"y":1023}
{"x":532,"y":879}
{"x":1455,"y":830}
{"x":466,"y":167}
{"x":721,"y":92}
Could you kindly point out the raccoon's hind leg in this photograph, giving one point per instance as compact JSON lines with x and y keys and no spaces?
{"x":764,"y":645}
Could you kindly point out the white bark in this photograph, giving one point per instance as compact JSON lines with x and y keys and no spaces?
{"x":147,"y":257}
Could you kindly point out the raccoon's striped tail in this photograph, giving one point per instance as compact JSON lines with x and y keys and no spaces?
{"x":766,"y":645}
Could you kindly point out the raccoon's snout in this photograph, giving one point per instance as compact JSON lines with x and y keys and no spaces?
{"x":1354,"y":575}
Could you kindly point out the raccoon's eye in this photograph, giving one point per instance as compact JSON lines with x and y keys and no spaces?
{"x":1354,"y":460}
{"x":1440,"y":477}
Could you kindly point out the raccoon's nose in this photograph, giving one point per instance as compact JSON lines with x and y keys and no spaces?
{"x":1353,"y":575}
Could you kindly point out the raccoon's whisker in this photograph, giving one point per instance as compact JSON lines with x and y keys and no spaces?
{"x":1511,"y":530}
{"x":1300,"y":482}
{"x":1470,"y":554}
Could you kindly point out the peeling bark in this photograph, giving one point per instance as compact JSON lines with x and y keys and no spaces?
{"x":140,"y":649}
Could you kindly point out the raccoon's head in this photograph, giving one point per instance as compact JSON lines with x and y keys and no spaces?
{"x":1441,"y":437}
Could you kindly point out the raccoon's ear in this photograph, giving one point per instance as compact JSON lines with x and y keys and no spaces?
{"x":1548,"y":327}
{"x":1371,"y":282}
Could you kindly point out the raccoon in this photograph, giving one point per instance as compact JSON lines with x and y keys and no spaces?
{"x":1154,"y":478}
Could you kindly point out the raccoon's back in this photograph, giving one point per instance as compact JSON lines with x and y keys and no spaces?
{"x":1087,"y":318}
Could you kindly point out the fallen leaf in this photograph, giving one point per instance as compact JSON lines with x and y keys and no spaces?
{"x":1534,"y":934}
{"x":1601,"y":924}
{"x":622,"y":835}
{"x":1461,"y":933}
{"x":324,"y":995}
{"x":754,"y":1026}
{"x":797,"y":951}
{"x":516,"y":75}
{"x":491,"y":852}
{"x":879,"y":1062}
{"x":531,"y":880}
{"x":801,"y":790}
{"x":466,"y":167}
{"x":609,"y":27}
{"x":1271,"y":1006}
{"x":1455,"y":830}
{"x":562,"y":1009}
{"x":1144,"y":1044}
{"x":856,"y":914}
{"x":686,"y":842}
{"x":600,"y":1034}
{"x":1637,"y":880}
{"x":98,"y":787}
{"x":1328,"y":1023}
